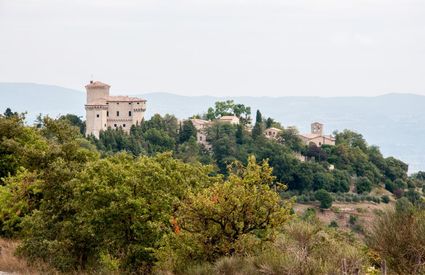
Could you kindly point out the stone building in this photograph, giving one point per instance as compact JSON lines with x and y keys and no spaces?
{"x":272,"y":133}
{"x":316,"y":136}
{"x":202,"y":125}
{"x":104,"y":111}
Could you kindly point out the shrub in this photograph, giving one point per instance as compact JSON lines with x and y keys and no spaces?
{"x":363,"y":185}
{"x":324,"y":198}
{"x":398,"y":193}
{"x":333,"y":224}
{"x":390,"y":186}
{"x":385,"y":199}
{"x":413,"y":196}
{"x":399,"y":238}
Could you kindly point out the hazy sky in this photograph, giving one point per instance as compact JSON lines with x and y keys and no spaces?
{"x":217,"y":47}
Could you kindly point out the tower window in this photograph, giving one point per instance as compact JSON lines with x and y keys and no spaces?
{"x":129,"y":103}
{"x":129,"y":113}
{"x":137,"y":103}
{"x":123,"y":125}
{"x":118,"y":103}
{"x":107,"y":113}
{"x":105,"y":125}
{"x":97,"y":115}
{"x":118,"y":113}
{"x":115,"y":125}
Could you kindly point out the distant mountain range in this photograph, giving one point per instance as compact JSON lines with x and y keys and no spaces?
{"x":394,"y":122}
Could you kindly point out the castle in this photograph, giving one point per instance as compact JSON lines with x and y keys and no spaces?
{"x":104,"y":111}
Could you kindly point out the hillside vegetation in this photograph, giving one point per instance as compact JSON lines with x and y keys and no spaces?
{"x":155,"y":201}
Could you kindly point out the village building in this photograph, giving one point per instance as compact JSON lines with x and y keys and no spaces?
{"x":202,"y":125}
{"x":229,"y":119}
{"x":104,"y":111}
{"x":316,"y":136}
{"x":272,"y":132}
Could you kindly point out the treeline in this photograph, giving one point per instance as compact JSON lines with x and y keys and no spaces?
{"x":351,"y":163}
{"x":174,"y":207}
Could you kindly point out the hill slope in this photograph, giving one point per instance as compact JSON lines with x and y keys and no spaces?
{"x":394,"y":121}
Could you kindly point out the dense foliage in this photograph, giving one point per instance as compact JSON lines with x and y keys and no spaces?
{"x":155,"y":200}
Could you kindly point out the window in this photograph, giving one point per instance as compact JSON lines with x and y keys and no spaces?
{"x":200,"y":138}
{"x":105,"y":125}
{"x":123,"y":125}
{"x":118,"y":103}
{"x":129,"y":103}
{"x":118,"y":113}
{"x":97,"y":115}
{"x":107,"y":113}
{"x":115,"y":125}
{"x":129,"y":113}
{"x":137,"y":103}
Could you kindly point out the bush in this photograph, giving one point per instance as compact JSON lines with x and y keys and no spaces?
{"x":333,"y":224}
{"x":363,"y":185}
{"x":385,"y":199}
{"x":390,"y":186}
{"x":399,"y":238}
{"x":324,"y":198}
{"x":413,"y":196}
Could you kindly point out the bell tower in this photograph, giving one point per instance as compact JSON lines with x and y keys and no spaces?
{"x":317,"y":128}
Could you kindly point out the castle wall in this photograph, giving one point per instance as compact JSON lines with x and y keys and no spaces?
{"x":96,"y":119}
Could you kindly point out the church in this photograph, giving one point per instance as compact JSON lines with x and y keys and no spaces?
{"x":104,"y":111}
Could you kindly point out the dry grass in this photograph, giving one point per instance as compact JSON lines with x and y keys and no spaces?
{"x":12,"y":264}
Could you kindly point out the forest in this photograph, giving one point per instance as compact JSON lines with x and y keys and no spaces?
{"x":154,"y":201}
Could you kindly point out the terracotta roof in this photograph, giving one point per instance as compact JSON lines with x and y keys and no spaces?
{"x":199,"y":122}
{"x":228,"y":117}
{"x":97,"y":84}
{"x":124,"y":99}
{"x":312,"y":136}
{"x":274,"y":129}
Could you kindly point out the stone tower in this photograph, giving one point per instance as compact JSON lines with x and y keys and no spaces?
{"x":96,"y":107}
{"x":317,"y":128}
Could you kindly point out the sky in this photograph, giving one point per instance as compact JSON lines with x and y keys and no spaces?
{"x":217,"y":47}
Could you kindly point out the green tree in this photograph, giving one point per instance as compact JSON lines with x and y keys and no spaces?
{"x":187,"y":131}
{"x":324,"y":198}
{"x":363,"y":185}
{"x":118,"y":207}
{"x":217,"y":220}
{"x":258,"y":129}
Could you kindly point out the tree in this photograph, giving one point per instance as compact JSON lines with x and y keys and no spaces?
{"x":75,"y":121}
{"x":258,"y":129}
{"x":219,"y":219}
{"x":8,"y":113}
{"x":187,"y":131}
{"x":118,"y":208}
{"x":363,"y":185}
{"x":324,"y":198}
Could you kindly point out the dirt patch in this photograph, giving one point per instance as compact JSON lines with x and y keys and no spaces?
{"x":10,"y":263}
{"x":363,"y":214}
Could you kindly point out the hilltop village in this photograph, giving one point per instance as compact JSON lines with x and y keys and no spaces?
{"x":104,"y":111}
